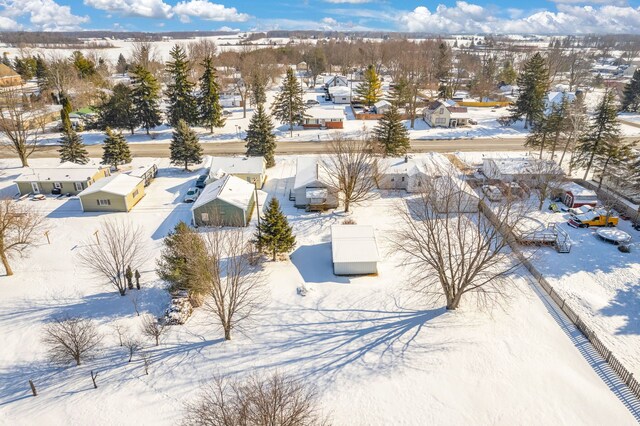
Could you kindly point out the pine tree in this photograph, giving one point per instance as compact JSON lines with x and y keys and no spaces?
{"x":631,"y":94}
{"x":443,"y":71}
{"x":6,"y":61}
{"x":261,"y":142}
{"x":370,"y":90}
{"x":118,"y":110}
{"x":65,"y":111}
{"x":289,"y":106}
{"x":274,"y":232}
{"x":178,"y":246}
{"x":208,"y":99}
{"x":185,"y":147}
{"x":122,"y":66}
{"x":181,"y":103}
{"x":533,"y":83}
{"x":42,"y":73}
{"x":401,"y":93}
{"x":72,"y":148}
{"x":145,"y":95}
{"x":115,"y":149}
{"x":549,"y":132}
{"x":391,"y":134}
{"x":508,"y":75}
{"x":601,"y":138}
{"x":258,"y":92}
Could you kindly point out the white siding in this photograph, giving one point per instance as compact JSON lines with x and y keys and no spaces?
{"x":355,"y":268}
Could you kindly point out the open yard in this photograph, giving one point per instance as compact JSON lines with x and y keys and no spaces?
{"x":377,"y":352}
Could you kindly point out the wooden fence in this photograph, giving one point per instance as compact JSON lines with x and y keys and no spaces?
{"x":627,"y":377}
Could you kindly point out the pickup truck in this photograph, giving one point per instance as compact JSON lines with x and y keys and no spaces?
{"x":593,"y":218}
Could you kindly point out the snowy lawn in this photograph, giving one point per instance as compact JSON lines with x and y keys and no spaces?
{"x":600,"y":283}
{"x":377,"y":353}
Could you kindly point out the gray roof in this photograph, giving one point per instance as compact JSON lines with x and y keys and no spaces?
{"x":121,"y":184}
{"x":229,"y":189}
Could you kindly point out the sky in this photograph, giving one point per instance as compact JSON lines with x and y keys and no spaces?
{"x":436,"y":16}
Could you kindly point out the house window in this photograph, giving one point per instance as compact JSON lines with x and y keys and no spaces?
{"x":441,"y":111}
{"x":104,"y":202}
{"x":135,"y":193}
{"x":403,"y":178}
{"x":204,"y":217}
{"x":57,"y":185}
{"x":78,"y":186}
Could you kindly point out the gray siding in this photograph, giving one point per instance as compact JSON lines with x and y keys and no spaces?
{"x":355,"y":268}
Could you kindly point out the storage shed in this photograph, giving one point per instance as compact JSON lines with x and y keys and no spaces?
{"x":226,"y":202}
{"x":354,"y":250}
{"x":117,"y":193}
{"x":574,"y":195}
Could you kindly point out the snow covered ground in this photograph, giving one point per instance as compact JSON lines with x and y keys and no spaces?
{"x":600,"y":283}
{"x":377,"y":354}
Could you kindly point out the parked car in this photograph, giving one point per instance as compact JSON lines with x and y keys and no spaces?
{"x":492,"y":192}
{"x":577,"y":211}
{"x":192,"y":195}
{"x":312,"y":102}
{"x":226,"y":113}
{"x":593,"y":218}
{"x":202,"y":181}
{"x":472,"y":121}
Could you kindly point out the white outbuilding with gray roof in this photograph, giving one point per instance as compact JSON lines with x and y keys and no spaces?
{"x":354,"y":250}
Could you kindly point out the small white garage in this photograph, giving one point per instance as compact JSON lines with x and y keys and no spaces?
{"x":354,"y":250}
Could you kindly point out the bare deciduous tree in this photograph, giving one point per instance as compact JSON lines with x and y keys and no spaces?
{"x":451,"y":253}
{"x":153,"y":328}
{"x":120,"y":245}
{"x":132,"y":344}
{"x":547,"y":175}
{"x":71,"y":340}
{"x":19,"y":227}
{"x":271,"y":401}
{"x":351,"y":169}
{"x":234,"y":285}
{"x":120,"y":330}
{"x":21,"y":123}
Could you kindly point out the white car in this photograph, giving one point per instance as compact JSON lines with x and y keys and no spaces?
{"x":192,"y":195}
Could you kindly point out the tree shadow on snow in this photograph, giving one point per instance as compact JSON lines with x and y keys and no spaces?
{"x":626,"y":303}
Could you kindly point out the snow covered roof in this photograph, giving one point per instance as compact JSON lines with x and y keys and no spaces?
{"x":524,"y":165}
{"x":229,"y":189}
{"x":142,"y":170}
{"x":578,"y":190}
{"x":354,"y":243}
{"x":432,"y":163}
{"x":382,"y":103}
{"x":339,"y":91}
{"x":307,"y":171}
{"x":325,"y":113}
{"x":236,"y":165}
{"x":122,"y":184}
{"x":65,"y":172}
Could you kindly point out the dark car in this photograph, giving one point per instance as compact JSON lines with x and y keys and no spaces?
{"x":201,"y":182}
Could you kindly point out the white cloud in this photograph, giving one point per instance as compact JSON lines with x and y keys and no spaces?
{"x":329,"y":21}
{"x":348,"y":1}
{"x":143,"y":8}
{"x":203,"y":9}
{"x":45,"y":15}
{"x":8,"y":24}
{"x":471,"y":18}
{"x":591,"y":2}
{"x":225,"y":28}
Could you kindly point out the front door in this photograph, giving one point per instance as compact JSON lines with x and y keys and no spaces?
{"x":35,"y":187}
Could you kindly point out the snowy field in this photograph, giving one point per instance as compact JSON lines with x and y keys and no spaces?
{"x":377,"y":354}
{"x":600,"y":283}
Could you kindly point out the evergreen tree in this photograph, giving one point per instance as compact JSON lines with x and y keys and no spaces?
{"x":370,"y":90}
{"x":85,"y":67}
{"x":42,"y":73}
{"x":115,"y":149}
{"x":401,"y":93}
{"x":391,"y":134}
{"x":601,"y":138}
{"x":178,"y":247}
{"x":72,"y":148}
{"x":208,"y":100}
{"x":631,"y":94}
{"x":274,"y":232}
{"x":258,"y":91}
{"x":145,"y":95}
{"x":508,"y":74}
{"x":185,"y":147}
{"x":261,"y":142}
{"x":549,"y":132}
{"x":65,"y":111}
{"x":181,"y":103}
{"x":118,"y":110}
{"x":289,"y":106}
{"x":533,"y":83}
{"x":122,"y":66}
{"x":443,"y":71}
